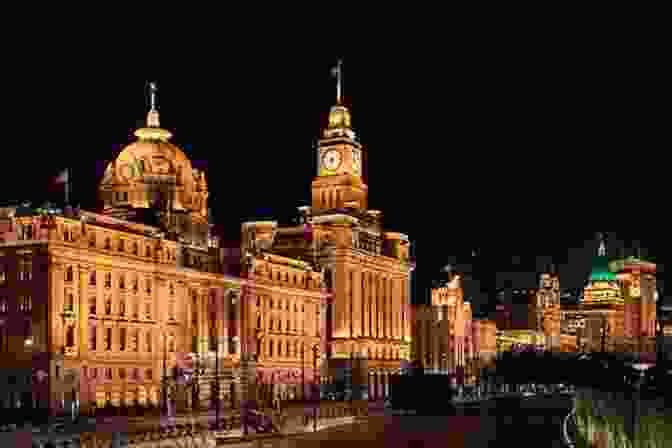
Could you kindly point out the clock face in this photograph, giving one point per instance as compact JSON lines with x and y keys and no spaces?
{"x":331,"y":160}
{"x":356,"y":161}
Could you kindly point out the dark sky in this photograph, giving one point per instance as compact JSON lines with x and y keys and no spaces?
{"x":511,"y":144}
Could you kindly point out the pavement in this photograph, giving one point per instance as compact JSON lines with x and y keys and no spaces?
{"x":535,"y":421}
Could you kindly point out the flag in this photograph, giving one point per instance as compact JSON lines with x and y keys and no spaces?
{"x":62,"y":178}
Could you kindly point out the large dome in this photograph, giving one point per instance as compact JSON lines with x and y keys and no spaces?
{"x":152,"y":172}
{"x":150,"y":154}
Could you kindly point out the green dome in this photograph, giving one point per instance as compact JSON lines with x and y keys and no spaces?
{"x":601,"y":272}
{"x":602,"y":276}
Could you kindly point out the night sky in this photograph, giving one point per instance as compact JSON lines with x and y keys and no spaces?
{"x":519,"y":148}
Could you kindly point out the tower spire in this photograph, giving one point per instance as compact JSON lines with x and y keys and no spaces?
{"x":337,"y":71}
{"x":153,"y":114}
{"x":602,"y":251}
{"x":152,"y":129}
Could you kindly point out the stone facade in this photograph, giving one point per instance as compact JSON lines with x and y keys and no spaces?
{"x":366,"y":314}
{"x":140,"y":304}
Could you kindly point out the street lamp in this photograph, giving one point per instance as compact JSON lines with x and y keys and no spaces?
{"x":164,"y":382}
{"x":316,"y":353}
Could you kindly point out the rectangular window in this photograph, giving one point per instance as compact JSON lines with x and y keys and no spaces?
{"x":25,"y":304}
{"x":92,"y":338}
{"x":122,"y":339}
{"x":92,"y":278}
{"x":3,"y":274}
{"x":25,"y":269}
{"x":92,"y":305}
{"x":3,"y":305}
{"x":108,"y":339}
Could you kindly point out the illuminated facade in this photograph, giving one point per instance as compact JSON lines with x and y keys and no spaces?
{"x":484,"y":338}
{"x":618,"y":309}
{"x":547,"y":310}
{"x":106,"y":309}
{"x":444,"y":333}
{"x":366,"y":269}
{"x":285,"y":319}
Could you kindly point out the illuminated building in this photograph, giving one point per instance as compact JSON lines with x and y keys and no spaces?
{"x":366,"y":269}
{"x":637,"y":282}
{"x":444,"y":333}
{"x":285,"y":318}
{"x":547,"y":310}
{"x":484,"y":337}
{"x":105,"y":309}
{"x":618,"y":309}
{"x":519,"y":324}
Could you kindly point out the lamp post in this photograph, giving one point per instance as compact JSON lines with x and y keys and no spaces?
{"x":303,"y":371}
{"x":217,"y":400}
{"x":164,"y":382}
{"x":316,"y":353}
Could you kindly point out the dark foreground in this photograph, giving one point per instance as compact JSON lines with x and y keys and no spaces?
{"x":533,"y":422}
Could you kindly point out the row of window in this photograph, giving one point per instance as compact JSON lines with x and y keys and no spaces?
{"x":69,"y":277}
{"x":135,"y":374}
{"x":300,"y":280}
{"x":132,"y":343}
{"x":121,"y":307}
{"x":272,"y":324}
{"x":121,"y":245}
{"x":25,"y":271}
{"x":25,"y":304}
{"x":271,"y":304}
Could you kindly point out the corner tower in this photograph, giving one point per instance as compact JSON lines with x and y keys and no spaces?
{"x":339,"y":180}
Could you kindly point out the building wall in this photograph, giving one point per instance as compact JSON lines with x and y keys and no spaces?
{"x":82,"y":289}
{"x":285,"y":300}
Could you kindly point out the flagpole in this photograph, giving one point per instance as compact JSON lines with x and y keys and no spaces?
{"x":67,"y":186}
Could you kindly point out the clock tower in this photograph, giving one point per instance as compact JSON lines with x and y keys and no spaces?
{"x":339,"y":182}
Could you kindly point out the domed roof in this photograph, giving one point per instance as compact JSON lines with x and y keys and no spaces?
{"x":150,"y":154}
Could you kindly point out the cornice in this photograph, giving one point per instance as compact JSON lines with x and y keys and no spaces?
{"x":256,"y":284}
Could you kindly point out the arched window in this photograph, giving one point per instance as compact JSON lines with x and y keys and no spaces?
{"x":122,"y":283}
{"x":135,"y":248}
{"x":259,"y":321}
{"x":108,"y":279}
{"x":68,"y":274}
{"x":148,"y":341}
{"x":270,"y":348}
